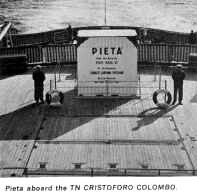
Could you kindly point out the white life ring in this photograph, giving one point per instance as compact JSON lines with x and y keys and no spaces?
{"x":167,"y":101}
{"x":54,"y":96}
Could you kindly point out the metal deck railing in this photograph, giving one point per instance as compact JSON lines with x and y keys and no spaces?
{"x":149,"y":54}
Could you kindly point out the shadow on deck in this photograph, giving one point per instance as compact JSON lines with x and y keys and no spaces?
{"x":147,"y":118}
{"x":22,"y":123}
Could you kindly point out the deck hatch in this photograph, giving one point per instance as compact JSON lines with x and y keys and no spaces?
{"x":154,"y":144}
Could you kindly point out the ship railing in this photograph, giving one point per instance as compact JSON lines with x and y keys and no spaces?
{"x":165,"y":53}
{"x":33,"y":53}
{"x":47,"y":55}
{"x":66,"y":54}
{"x":148,"y":54}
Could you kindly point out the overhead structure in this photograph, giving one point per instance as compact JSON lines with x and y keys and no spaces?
{"x":5,"y":38}
{"x":107,"y":62}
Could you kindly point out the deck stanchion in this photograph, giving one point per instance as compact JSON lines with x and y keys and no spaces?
{"x":59,"y":66}
{"x":165,"y":89}
{"x":165,"y":84}
{"x":50,"y":84}
{"x":160,"y":77}
{"x":140,"y":92}
{"x":59,"y":69}
{"x":55,"y":79}
{"x":155,"y":72}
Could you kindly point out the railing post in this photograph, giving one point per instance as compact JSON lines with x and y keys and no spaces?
{"x":160,"y":77}
{"x":140,"y":92}
{"x":55,"y":79}
{"x":155,"y":72}
{"x":165,"y":89}
{"x":58,"y":63}
{"x":59,"y":69}
{"x":50,"y":84}
{"x":165,"y":84}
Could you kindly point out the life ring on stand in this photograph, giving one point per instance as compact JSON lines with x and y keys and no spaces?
{"x":167,"y":100}
{"x":54,"y":96}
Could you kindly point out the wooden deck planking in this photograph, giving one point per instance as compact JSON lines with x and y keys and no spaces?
{"x":77,"y":107}
{"x":100,"y":128}
{"x":14,"y":155}
{"x":18,"y":125}
{"x":11,"y":172}
{"x":14,"y":150}
{"x":4,"y":122}
{"x":126,"y":156}
{"x":14,"y":127}
{"x":186,"y":123}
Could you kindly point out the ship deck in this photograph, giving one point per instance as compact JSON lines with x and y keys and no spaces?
{"x":96,"y":137}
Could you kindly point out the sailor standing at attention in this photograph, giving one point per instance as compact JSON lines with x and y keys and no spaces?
{"x":38,"y":77}
{"x":178,"y":76}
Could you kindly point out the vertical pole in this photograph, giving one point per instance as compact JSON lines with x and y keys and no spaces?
{"x":55,"y":80}
{"x":165,"y":89}
{"x":59,"y":67}
{"x":105,"y":12}
{"x":77,"y":82}
{"x":155,"y":72}
{"x":160,"y":77}
{"x":59,"y":72}
{"x":165,"y":84}
{"x":140,"y":92}
{"x":50,"y":84}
